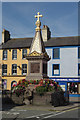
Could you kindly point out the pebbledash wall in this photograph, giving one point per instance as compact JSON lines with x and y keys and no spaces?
{"x":68,"y":62}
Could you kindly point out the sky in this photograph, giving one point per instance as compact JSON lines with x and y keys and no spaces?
{"x":60,"y":17}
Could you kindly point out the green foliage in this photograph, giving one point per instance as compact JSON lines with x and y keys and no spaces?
{"x":42,"y":89}
{"x":41,"y":86}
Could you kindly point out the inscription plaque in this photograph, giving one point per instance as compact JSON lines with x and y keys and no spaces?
{"x":35,"y":67}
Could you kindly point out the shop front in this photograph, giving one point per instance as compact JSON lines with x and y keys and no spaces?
{"x":69,"y":84}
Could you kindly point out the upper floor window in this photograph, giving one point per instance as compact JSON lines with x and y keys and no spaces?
{"x":56,"y":70}
{"x":24,"y":53}
{"x":14,"y":69}
{"x":78,"y":52}
{"x":4,"y":54}
{"x":14,"y":54}
{"x":78,"y":69}
{"x":4,"y":69}
{"x":56,"y":53}
{"x":24,"y":69}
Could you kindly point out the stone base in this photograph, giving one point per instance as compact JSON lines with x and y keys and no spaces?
{"x":36,"y":77}
{"x":17,"y":100}
{"x":42,"y":100}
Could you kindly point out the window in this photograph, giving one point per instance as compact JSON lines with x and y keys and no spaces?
{"x":56,"y":53}
{"x":4,"y":84}
{"x":24,"y":53}
{"x":78,"y":69}
{"x":14,"y":54}
{"x":73,"y":87}
{"x":78,"y":52}
{"x":4,"y":54}
{"x":56,"y":69}
{"x":4,"y":69}
{"x":14,"y":69}
{"x":24,"y":69}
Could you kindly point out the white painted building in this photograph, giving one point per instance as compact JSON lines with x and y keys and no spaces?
{"x":64,"y":66}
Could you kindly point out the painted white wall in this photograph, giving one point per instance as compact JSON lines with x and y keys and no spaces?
{"x":68,"y":62}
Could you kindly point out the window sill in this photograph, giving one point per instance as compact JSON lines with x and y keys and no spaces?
{"x":56,"y":75}
{"x":4,"y":59}
{"x":23,"y":58}
{"x":14,"y":59}
{"x":4,"y":75}
{"x":56,"y":58}
{"x":24,"y":73}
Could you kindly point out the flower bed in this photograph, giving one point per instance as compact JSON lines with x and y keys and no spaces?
{"x":42,"y":89}
{"x":40,"y":86}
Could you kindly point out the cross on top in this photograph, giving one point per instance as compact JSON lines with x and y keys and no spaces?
{"x":38,"y":16}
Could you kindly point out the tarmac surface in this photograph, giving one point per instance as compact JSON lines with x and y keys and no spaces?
{"x":33,"y":112}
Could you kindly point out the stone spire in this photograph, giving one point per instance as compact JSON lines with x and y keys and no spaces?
{"x":37,"y":57}
{"x":37,"y":43}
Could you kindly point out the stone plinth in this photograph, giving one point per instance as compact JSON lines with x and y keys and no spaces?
{"x":37,"y":67}
{"x":17,"y":100}
{"x":42,"y":100}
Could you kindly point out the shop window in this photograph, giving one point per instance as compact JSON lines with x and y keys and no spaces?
{"x":56,"y":52}
{"x":24,"y":53}
{"x":24,"y":69}
{"x":78,"y":69}
{"x":73,"y":87}
{"x":79,"y":88}
{"x":14,"y":54}
{"x":4,"y":54}
{"x":56,"y":69}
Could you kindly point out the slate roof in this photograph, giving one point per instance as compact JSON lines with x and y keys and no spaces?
{"x":26,"y":42}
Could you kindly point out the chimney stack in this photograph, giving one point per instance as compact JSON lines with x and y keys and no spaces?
{"x":46,"y":34}
{"x":5,"y":36}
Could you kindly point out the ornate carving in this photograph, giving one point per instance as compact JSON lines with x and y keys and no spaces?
{"x":35,"y":54}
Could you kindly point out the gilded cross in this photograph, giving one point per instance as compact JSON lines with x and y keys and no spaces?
{"x":38,"y":16}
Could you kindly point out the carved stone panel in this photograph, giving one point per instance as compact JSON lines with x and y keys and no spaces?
{"x":35,"y":67}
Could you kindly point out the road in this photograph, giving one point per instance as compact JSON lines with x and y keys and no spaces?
{"x":24,"y":114}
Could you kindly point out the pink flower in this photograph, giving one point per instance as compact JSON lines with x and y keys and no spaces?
{"x":51,"y":84}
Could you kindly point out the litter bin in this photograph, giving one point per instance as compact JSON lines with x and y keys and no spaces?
{"x":57,"y":98}
{"x":54,"y":99}
{"x":66,"y":96}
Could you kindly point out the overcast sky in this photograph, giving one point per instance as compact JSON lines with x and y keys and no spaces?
{"x":60,"y":17}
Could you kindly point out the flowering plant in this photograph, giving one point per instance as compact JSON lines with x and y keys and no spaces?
{"x":41,"y":86}
{"x":20,"y":87}
{"x":47,"y":86}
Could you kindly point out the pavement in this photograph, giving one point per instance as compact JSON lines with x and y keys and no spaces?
{"x":72,"y":104}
